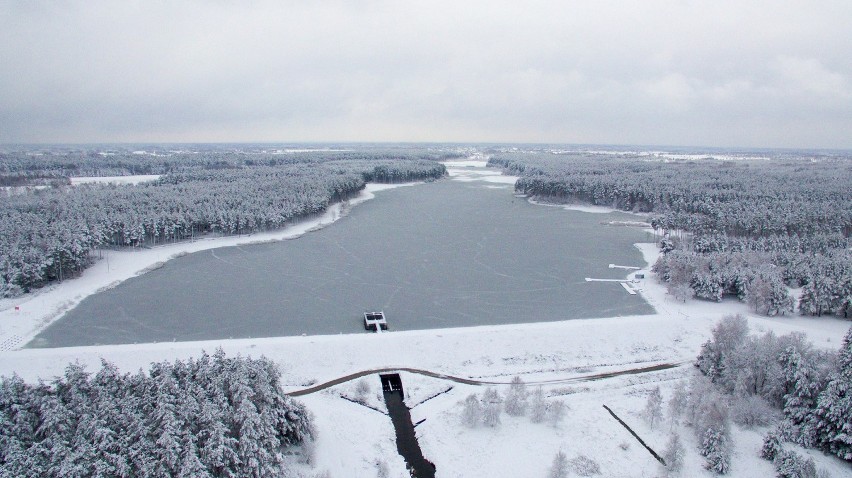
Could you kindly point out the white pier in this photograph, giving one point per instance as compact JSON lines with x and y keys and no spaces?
{"x":624,"y":283}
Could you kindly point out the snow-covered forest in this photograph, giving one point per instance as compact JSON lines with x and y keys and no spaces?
{"x":753,"y":376}
{"x":213,"y":416}
{"x":52,"y":233}
{"x":746,"y":228}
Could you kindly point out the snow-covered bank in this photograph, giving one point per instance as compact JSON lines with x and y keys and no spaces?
{"x":140,"y":178}
{"x":476,"y":170}
{"x":576,"y":207}
{"x":21,"y":318}
{"x":538,"y":351}
{"x":354,"y":438}
{"x":591,"y":209}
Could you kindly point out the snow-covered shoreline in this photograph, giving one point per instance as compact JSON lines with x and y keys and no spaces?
{"x":22,"y":318}
{"x":44,"y":306}
{"x":352,"y":437}
{"x":135,"y":179}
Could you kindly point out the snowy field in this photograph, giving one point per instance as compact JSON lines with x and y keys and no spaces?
{"x":141,"y":178}
{"x":354,"y":439}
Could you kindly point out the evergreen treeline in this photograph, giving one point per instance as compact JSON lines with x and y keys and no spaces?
{"x":813,"y":388}
{"x":743,"y":228}
{"x":211,"y":417}
{"x":50,"y":234}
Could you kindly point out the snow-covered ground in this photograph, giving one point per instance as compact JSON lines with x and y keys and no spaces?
{"x":577,"y":207}
{"x":476,"y":170}
{"x":354,"y":438}
{"x":140,"y":178}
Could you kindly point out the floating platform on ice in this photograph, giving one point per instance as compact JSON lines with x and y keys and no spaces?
{"x":375,"y":321}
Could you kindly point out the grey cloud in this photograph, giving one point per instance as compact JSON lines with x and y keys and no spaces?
{"x":726,"y":73}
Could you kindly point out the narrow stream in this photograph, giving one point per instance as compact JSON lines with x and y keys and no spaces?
{"x":406,"y":440}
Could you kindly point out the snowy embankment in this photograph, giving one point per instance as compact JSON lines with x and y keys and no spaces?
{"x":354,"y":439}
{"x":23,"y":317}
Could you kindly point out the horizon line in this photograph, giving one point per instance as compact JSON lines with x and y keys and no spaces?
{"x":460,"y":143}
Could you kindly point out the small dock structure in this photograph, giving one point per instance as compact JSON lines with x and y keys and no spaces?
{"x":375,"y":321}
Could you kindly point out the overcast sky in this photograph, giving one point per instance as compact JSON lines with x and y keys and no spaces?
{"x":746,"y":73}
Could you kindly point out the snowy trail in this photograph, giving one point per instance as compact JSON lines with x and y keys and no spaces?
{"x":468,"y":381}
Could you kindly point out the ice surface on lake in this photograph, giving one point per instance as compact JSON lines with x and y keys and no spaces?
{"x":444,"y":254}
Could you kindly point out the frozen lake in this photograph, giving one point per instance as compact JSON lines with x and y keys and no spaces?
{"x":443,"y":254}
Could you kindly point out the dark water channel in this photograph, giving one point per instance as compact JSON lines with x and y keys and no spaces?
{"x":406,"y":439}
{"x":443,"y":254}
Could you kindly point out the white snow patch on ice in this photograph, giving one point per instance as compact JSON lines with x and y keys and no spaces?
{"x":476,"y":170}
{"x":469,"y":163}
{"x":141,"y":178}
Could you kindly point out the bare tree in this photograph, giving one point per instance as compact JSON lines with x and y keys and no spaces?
{"x":516,"y":399}
{"x":673,"y":455}
{"x":538,"y":407}
{"x":472,"y":411}
{"x":559,"y":468}
{"x":491,"y":407}
{"x":556,"y":412}
{"x":653,"y":412}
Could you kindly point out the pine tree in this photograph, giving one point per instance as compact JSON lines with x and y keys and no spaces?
{"x":833,"y":410}
{"x":772,"y":442}
{"x":804,"y":384}
{"x":191,"y":466}
{"x":716,"y":448}
{"x":177,"y":421}
{"x":217,"y":446}
{"x":707,"y":286}
{"x":767,"y":294}
{"x":256,"y":461}
{"x":790,"y":464}
{"x":816,"y":298}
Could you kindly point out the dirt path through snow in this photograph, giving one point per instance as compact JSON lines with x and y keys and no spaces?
{"x":468,"y":381}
